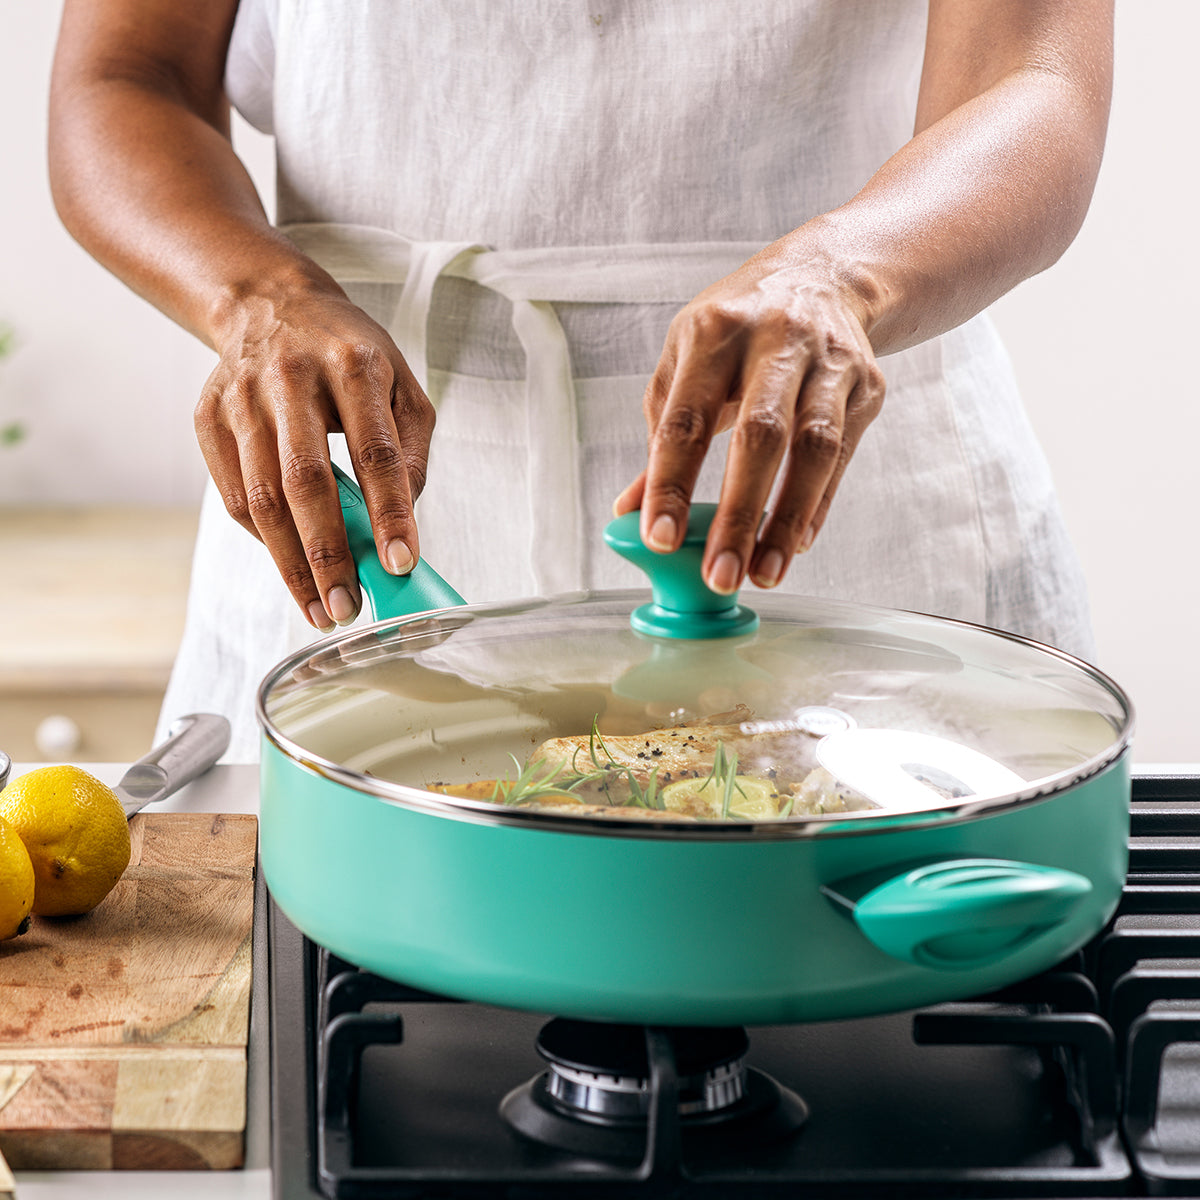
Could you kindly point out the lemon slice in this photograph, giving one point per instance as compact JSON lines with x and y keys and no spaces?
{"x":551,"y":797}
{"x":753,"y":799}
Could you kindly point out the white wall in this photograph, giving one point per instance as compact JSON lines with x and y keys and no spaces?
{"x":104,"y":384}
{"x":1102,"y":345}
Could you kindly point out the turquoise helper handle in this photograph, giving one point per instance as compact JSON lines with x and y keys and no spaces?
{"x":389,"y":595}
{"x":968,"y":912}
{"x":684,"y":606}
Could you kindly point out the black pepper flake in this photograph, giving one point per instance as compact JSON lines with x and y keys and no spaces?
{"x":656,"y":751}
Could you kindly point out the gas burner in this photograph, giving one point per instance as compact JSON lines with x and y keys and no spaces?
{"x":602,"y":1071}
{"x":600,"y":1092}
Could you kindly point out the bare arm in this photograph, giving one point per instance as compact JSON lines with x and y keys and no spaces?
{"x":993,"y":186}
{"x":145,"y":177}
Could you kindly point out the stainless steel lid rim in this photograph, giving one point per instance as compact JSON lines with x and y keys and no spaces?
{"x":480,"y":812}
{"x":827,"y":621}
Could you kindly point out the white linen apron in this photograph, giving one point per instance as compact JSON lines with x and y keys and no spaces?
{"x":524,"y":195}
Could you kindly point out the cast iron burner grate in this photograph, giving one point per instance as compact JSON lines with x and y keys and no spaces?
{"x":1084,"y":1081}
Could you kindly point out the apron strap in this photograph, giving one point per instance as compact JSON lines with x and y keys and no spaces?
{"x":660,"y":273}
{"x":410,"y":321}
{"x":552,"y":440}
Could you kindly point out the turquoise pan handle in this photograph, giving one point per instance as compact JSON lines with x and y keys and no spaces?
{"x":389,"y":595}
{"x":968,"y":912}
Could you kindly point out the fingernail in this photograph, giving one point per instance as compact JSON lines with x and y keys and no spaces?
{"x":770,"y":569}
{"x":806,"y":540}
{"x":662,"y":533}
{"x":319,"y":617}
{"x":341,"y":605}
{"x":399,"y":557}
{"x":726,"y":573}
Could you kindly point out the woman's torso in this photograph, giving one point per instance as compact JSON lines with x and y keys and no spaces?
{"x":655,"y":122}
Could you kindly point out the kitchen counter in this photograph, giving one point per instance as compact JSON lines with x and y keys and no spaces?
{"x":231,"y":789}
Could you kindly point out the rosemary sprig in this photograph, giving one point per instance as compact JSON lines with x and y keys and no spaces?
{"x":649,"y":796}
{"x":607,"y":772}
{"x":555,"y":780}
{"x":529,"y":785}
{"x":723,"y":777}
{"x":595,"y":738}
{"x":538,"y":779}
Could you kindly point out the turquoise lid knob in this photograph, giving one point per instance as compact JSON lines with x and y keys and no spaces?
{"x":684,"y":606}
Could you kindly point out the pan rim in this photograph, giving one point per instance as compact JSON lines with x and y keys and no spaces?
{"x":805,"y":827}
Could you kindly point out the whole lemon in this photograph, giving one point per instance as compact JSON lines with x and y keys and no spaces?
{"x":16,"y":883}
{"x":76,"y":833}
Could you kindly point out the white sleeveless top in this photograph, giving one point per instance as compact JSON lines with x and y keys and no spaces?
{"x":524,"y":194}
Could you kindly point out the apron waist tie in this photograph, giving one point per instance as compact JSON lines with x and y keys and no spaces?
{"x":532,"y":280}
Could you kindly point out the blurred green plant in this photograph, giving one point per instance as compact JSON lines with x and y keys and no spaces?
{"x":11,"y":432}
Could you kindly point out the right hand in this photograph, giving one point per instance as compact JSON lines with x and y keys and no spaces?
{"x":292,"y":371}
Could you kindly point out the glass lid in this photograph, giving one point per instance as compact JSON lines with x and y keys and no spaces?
{"x":636,"y":712}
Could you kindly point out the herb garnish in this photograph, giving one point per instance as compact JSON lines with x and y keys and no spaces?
{"x":529,"y":785}
{"x":602,"y":769}
{"x":723,"y":777}
{"x":556,"y":780}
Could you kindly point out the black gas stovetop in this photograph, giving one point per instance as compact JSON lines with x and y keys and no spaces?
{"x":1081,"y":1082}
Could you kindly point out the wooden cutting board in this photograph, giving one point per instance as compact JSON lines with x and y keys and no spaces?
{"x":123,"y":1032}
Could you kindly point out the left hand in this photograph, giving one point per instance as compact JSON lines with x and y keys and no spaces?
{"x":777,"y":351}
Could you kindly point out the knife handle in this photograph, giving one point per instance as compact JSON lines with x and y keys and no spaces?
{"x":194,"y":743}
